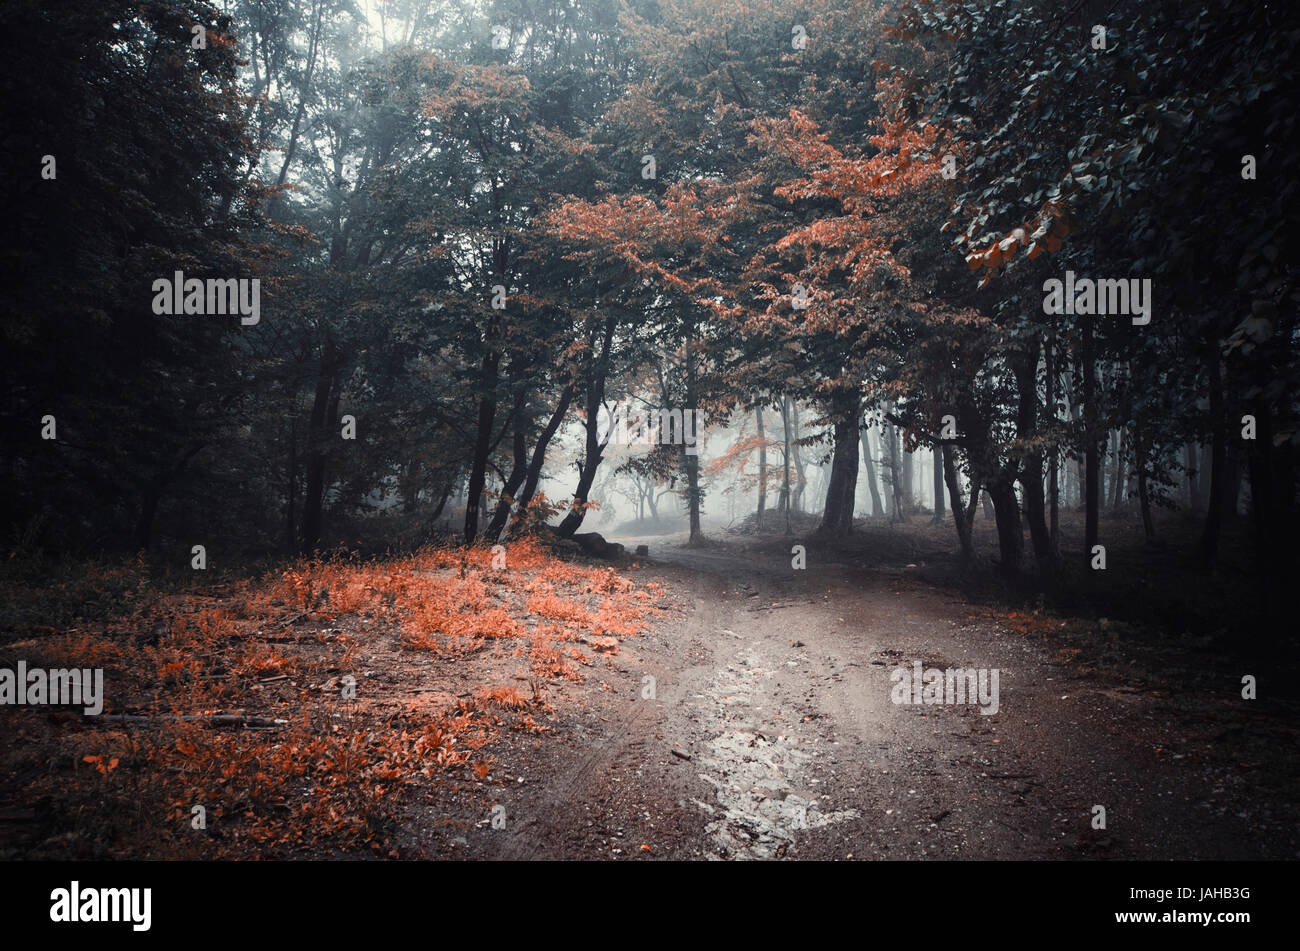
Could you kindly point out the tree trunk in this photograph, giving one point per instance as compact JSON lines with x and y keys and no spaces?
{"x":150,"y":496}
{"x":597,"y":371}
{"x":938,"y":486}
{"x":898,"y":510}
{"x":1217,"y":499}
{"x":539,"y":451}
{"x":1205,"y":462}
{"x":1144,"y":499}
{"x":962,"y":514}
{"x":1091,"y":464}
{"x":877,"y":507}
{"x":152,"y":493}
{"x":518,"y":471}
{"x":909,"y":493}
{"x":1006,"y":510}
{"x":290,"y":515}
{"x":1233,"y":481}
{"x":762,"y":465}
{"x":694,"y":496}
{"x":410,"y":487}
{"x":314,"y":495}
{"x":841,"y":490}
{"x":1025,"y":368}
{"x":800,"y":467}
{"x":1117,"y":486}
{"x":487,"y":413}
{"x":785,"y":461}
{"x":1109,"y":473}
{"x":442,"y":500}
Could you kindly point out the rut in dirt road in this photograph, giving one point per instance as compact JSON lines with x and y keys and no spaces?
{"x":772,"y":734}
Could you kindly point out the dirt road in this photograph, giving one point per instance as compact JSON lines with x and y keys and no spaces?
{"x":768,"y":731}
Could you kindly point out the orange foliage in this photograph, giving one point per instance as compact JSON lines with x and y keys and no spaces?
{"x":325,"y":781}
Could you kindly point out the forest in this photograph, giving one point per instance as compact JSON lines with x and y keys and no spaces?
{"x":463,"y":365}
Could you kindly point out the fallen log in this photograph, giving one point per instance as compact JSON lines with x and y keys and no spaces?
{"x":594,"y":543}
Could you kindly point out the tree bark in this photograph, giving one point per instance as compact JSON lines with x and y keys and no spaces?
{"x":539,"y":451}
{"x":1144,"y":499}
{"x":314,"y":494}
{"x":897,"y":508}
{"x":938,"y":486}
{"x":487,"y":412}
{"x":801,"y":469}
{"x":785,"y":461}
{"x":909,"y":492}
{"x":1205,"y":462}
{"x":597,"y":371}
{"x":291,"y":508}
{"x":1011,"y":542}
{"x":877,"y":507}
{"x":410,"y":487}
{"x":963,"y":515}
{"x":762,"y":465}
{"x":694,"y":495}
{"x":1117,"y":486}
{"x":442,"y":500}
{"x":1025,"y":368}
{"x":841,"y":490}
{"x":1091,"y":463}
{"x":518,"y":472}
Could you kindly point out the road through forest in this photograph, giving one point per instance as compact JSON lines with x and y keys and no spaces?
{"x":771,"y":733}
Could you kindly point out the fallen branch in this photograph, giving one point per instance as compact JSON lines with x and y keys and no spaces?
{"x":215,"y":720}
{"x":778,"y":605}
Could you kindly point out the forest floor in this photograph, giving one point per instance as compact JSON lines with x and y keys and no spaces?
{"x":709,"y":702}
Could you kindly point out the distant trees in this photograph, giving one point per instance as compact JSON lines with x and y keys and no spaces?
{"x":1159,"y":156}
{"x":474,"y":229}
